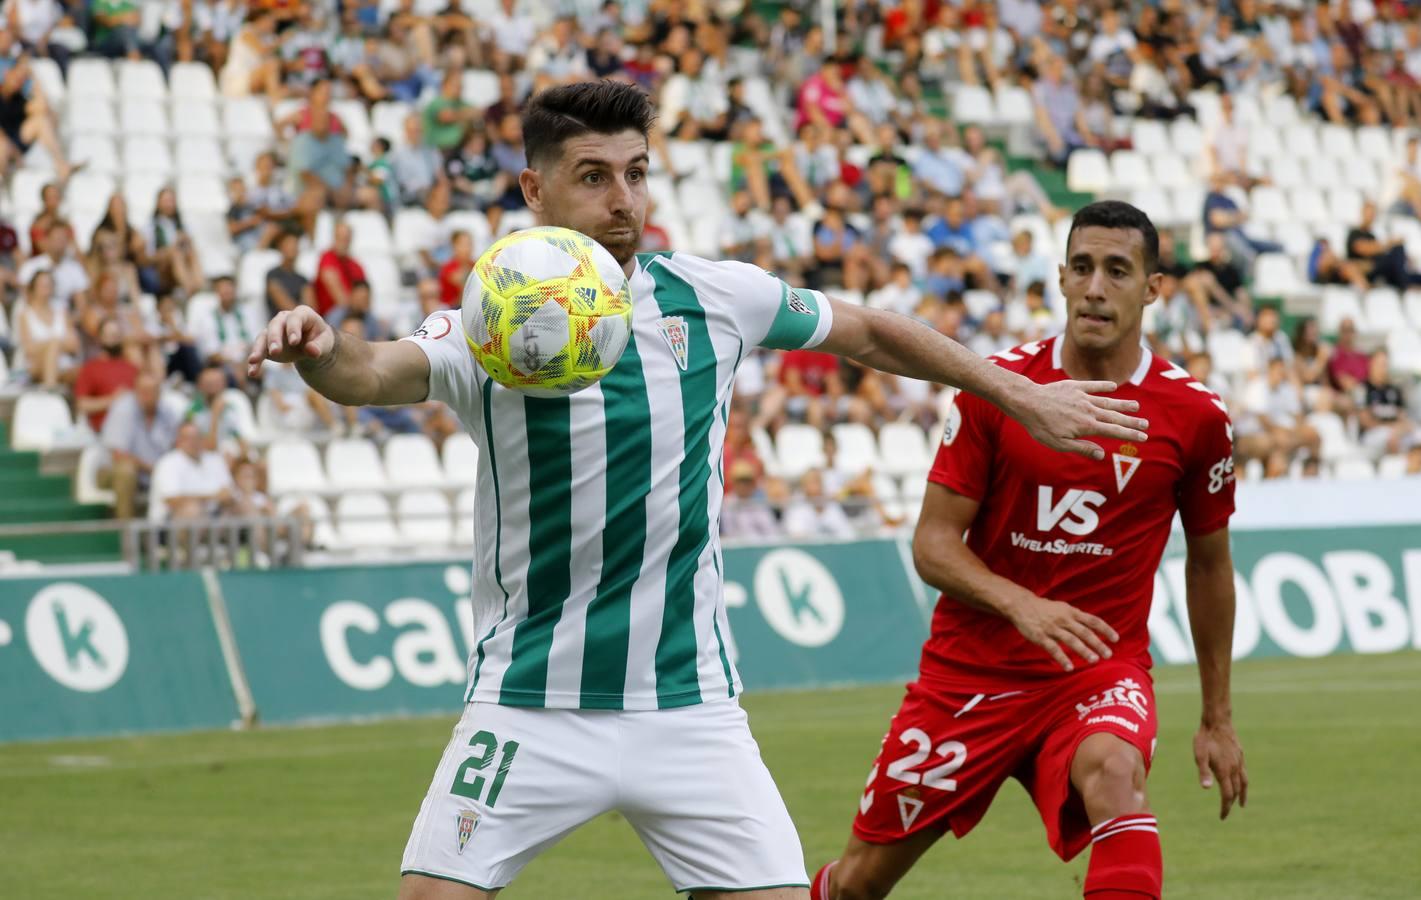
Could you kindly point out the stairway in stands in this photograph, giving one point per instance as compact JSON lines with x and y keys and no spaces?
{"x":28,"y":495}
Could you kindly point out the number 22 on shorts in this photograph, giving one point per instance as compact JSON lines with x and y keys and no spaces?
{"x":485,"y":746}
{"x":954,"y":752}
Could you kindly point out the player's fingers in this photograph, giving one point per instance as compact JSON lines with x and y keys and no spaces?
{"x":1059,"y":655}
{"x":1115,"y":404}
{"x":1091,"y":640}
{"x":1084,"y":448}
{"x":1094,"y":387}
{"x":276,"y":332}
{"x":1201,"y":761}
{"x":1068,"y":637}
{"x":1226,"y":795}
{"x":1119,"y":418}
{"x":1098,"y":625}
{"x":256,"y":356}
{"x":1120,"y":431}
{"x":1242,"y":785}
{"x":296,"y":327}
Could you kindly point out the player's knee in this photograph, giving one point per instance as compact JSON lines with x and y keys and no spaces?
{"x":1114,"y":778}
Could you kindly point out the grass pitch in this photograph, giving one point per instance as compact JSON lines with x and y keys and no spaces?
{"x":1333,"y":748}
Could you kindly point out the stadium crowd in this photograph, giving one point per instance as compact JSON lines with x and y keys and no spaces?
{"x":843,"y":167}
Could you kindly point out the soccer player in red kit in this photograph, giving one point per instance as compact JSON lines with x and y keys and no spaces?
{"x":1037,"y":666}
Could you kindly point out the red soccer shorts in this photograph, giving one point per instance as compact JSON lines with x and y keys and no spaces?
{"x":948,"y":751}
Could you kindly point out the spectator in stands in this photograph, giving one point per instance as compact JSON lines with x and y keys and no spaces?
{"x":169,"y":249}
{"x":1326,"y":267}
{"x":1095,"y":118}
{"x":45,"y":334}
{"x":1386,"y":427}
{"x":318,"y":160}
{"x":416,"y":165}
{"x":1029,"y":318}
{"x":447,"y":118}
{"x":273,"y":202}
{"x":115,"y":25}
{"x":336,"y":272}
{"x":1220,"y":278}
{"x":70,"y":283}
{"x":287,"y":288}
{"x":245,"y":225}
{"x":604,"y":57}
{"x":455,"y":272}
{"x":137,"y":432}
{"x":1311,"y":354}
{"x":939,"y":167}
{"x":508,"y":153}
{"x":175,"y":341}
{"x":694,"y":100}
{"x":512,"y":32}
{"x":303,"y":50}
{"x":474,"y":177}
{"x":810,"y":389}
{"x":216,"y":419}
{"x":992,"y":336}
{"x":1025,"y":266}
{"x":51,"y":198}
{"x":746,"y":512}
{"x":1269,"y":341}
{"x":791,"y":241}
{"x":813,"y":514}
{"x":910,"y":245}
{"x":34,"y":22}
{"x":1348,"y":367}
{"x":26,"y":116}
{"x":1226,"y":155}
{"x":1178,"y":319}
{"x":743,"y":232}
{"x":107,"y":258}
{"x":1383,"y":262}
{"x":842,"y":256}
{"x":900,"y":294}
{"x":190,"y":484}
{"x":816,"y":158}
{"x":1277,"y":400}
{"x":824,"y":100}
{"x":1057,"y":103}
{"x":253,"y":63}
{"x":1222,"y":215}
{"x":139,"y":346}
{"x":872,"y":94}
{"x":359,"y":310}
{"x":953,"y":231}
{"x":224,"y":336}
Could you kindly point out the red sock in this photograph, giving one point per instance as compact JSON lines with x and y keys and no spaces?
{"x":819,"y":887}
{"x":1125,"y":861}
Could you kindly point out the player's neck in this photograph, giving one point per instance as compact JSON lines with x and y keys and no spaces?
{"x":1117,"y":364}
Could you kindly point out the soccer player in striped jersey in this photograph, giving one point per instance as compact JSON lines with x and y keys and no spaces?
{"x":600,"y":678}
{"x":1037,"y":666}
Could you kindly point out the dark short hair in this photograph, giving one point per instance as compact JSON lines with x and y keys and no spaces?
{"x":360,"y":283}
{"x":221,"y":278}
{"x":1121,"y":215}
{"x":558,"y":114}
{"x":1037,"y":287}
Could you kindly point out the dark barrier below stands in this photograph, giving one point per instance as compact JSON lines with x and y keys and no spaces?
{"x":94,"y":656}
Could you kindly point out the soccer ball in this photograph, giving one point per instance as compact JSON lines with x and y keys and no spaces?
{"x":547,"y":311}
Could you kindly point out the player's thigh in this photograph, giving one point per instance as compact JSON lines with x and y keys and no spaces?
{"x":699,"y":796}
{"x":511,"y":783}
{"x":423,"y":887}
{"x":870,"y":871}
{"x":785,"y":893}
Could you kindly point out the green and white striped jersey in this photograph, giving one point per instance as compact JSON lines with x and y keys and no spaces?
{"x":597,"y":566}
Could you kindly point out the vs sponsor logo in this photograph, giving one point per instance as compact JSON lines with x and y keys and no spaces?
{"x":1074,"y":512}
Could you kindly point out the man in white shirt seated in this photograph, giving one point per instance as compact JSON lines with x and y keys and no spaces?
{"x":224,"y":334}
{"x":189,"y":482}
{"x":815,"y":514}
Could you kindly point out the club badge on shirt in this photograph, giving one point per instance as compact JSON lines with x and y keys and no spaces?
{"x":673,"y":330}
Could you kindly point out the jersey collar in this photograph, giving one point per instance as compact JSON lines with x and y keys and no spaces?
{"x":1146,"y":360}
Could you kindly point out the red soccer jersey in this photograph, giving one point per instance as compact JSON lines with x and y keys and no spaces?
{"x":1068,"y":528}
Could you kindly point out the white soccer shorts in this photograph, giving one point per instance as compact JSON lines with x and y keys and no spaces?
{"x":513,"y":781}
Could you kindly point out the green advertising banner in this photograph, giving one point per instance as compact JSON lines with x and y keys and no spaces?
{"x":97,"y":656}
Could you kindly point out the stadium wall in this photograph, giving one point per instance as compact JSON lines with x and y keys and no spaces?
{"x":95,"y":656}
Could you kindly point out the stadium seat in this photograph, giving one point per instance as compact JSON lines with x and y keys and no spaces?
{"x":386,"y":295}
{"x":89,"y":191}
{"x":25,"y":188}
{"x":293,"y":465}
{"x":855,"y":449}
{"x":765,"y":449}
{"x":1155,"y":202}
{"x":147,"y":155}
{"x":1403,"y":345}
{"x":425,"y":519}
{"x":90,"y":77}
{"x":363,"y":521}
{"x":140,"y":191}
{"x":1268,"y":205}
{"x":251,"y":275}
{"x":356,"y":120}
{"x":1353,"y":470}
{"x":1361,"y":174}
{"x":387,"y":120}
{"x":1088,"y":172}
{"x":354,"y":464}
{"x":1171,"y":170}
{"x":1382,"y":306}
{"x":1186,"y":137}
{"x":1344,"y":204}
{"x":197,"y":118}
{"x":41,"y":421}
{"x":722,"y":157}
{"x":90,"y":115}
{"x":1231,"y":352}
{"x":200,"y":156}
{"x":476,"y":224}
{"x":980,"y":302}
{"x":1150,"y":137}
{"x":192,"y":81}
{"x":689,"y":157}
{"x":96,"y":152}
{"x":1411,"y":301}
{"x":319,"y":512}
{"x":799,"y":448}
{"x":141,"y":79}
{"x":1129,"y":170}
{"x":461,"y":460}
{"x":244,"y":418}
{"x":242,"y":153}
{"x":246,"y":117}
{"x":464,"y":507}
{"x":972,"y":105}
{"x":1322,"y":172}
{"x":1391,"y":466}
{"x":50,"y":79}
{"x":1275,"y":275}
{"x":1264,"y":142}
{"x":143,"y":117}
{"x":1339,"y":143}
{"x":86,"y":478}
{"x":1301,"y":140}
{"x":1285,"y":172}
{"x":1338,"y":303}
{"x":480,"y":88}
{"x":1308,"y":205}
{"x":904,"y":449}
{"x":412,"y":462}
{"x":369,"y":234}
{"x":1280,"y":111}
{"x":1336,"y":444}
{"x":1374,"y":143}
{"x":202,"y":194}
{"x":1297,"y":240}
{"x":1015,"y":106}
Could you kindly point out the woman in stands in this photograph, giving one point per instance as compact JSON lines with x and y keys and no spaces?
{"x":47,"y":340}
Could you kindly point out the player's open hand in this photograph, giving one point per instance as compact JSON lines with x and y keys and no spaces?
{"x":1063,"y":413}
{"x":1055,"y":627}
{"x":291,"y":336}
{"x":1219,"y":755}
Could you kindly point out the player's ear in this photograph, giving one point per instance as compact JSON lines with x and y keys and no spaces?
{"x":1152,"y":287}
{"x":532,"y":184}
{"x":1061,"y":277}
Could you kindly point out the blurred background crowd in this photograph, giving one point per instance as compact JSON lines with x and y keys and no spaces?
{"x":176,"y":171}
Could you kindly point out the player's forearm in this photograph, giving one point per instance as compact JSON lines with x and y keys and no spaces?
{"x":1209,"y":589}
{"x":346,"y":374}
{"x":952,"y":567}
{"x":898,"y":345}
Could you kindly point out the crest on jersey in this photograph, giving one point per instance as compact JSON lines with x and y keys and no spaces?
{"x":909,"y":805}
{"x":1126,"y":460}
{"x":673,"y":329}
{"x":468,"y":821}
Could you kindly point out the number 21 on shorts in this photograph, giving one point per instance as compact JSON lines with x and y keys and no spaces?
{"x":954,"y":754}
{"x":467,"y":780}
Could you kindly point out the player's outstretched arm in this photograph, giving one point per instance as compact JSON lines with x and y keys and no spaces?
{"x":1209,"y":589}
{"x":346,"y":369}
{"x":944,"y":561}
{"x":1059,"y":415}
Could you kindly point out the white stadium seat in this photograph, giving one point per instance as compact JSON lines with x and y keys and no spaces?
{"x":1308,"y":205}
{"x":25,"y":188}
{"x":1362,"y":174}
{"x":89,"y":191}
{"x":141,"y":79}
{"x":242,"y":153}
{"x":50,"y":79}
{"x":1088,"y":171}
{"x":1339,"y":143}
{"x":369,"y":234}
{"x":1172,"y":171}
{"x":1353,"y":470}
{"x":86,"y":479}
{"x":1322,"y":172}
{"x":90,"y":115}
{"x":1231,"y":352}
{"x":1391,"y":466}
{"x":202,"y":194}
{"x":972,"y":105}
{"x":387,"y":120}
{"x":1186,"y":137}
{"x":689,"y":157}
{"x":1411,"y":300}
{"x":200,"y":156}
{"x":480,"y":88}
{"x":318,"y":511}
{"x":1268,"y":205}
{"x":411,"y":462}
{"x":461,"y":460}
{"x":1301,"y":140}
{"x":856,"y":451}
{"x":904,"y":449}
{"x":293,"y":465}
{"x":356,"y":120}
{"x":192,"y":81}
{"x":96,"y":152}
{"x":41,"y":420}
{"x":143,"y":117}
{"x":1155,"y":202}
{"x":246,"y":117}
{"x":140,"y":191}
{"x":363,"y":521}
{"x":1149,"y":136}
{"x":196,"y":118}
{"x":799,"y":448}
{"x":1264,"y":142}
{"x":1344,"y":204}
{"x":1403,"y":345}
{"x":425,"y":519}
{"x":1340,"y":303}
{"x":1382,"y":306}
{"x":1285,"y":172}
{"x":90,"y":77}
{"x":1374,"y":143}
{"x":1275,"y":275}
{"x":354,"y":463}
{"x":1336,"y":444}
{"x":1015,"y":105}
{"x":251,"y":275}
{"x":1129,"y":170}
{"x":147,"y":155}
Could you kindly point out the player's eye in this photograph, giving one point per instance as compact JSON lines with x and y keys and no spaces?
{"x":592,"y":178}
{"x":1117,"y":273}
{"x":634,"y":175}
